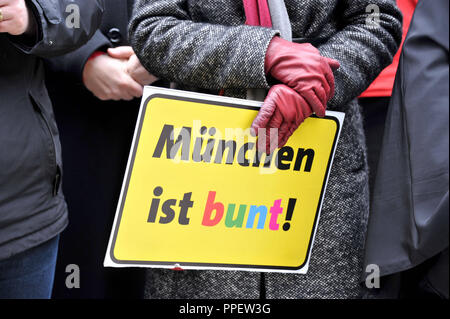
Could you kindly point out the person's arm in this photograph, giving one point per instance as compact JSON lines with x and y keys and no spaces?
{"x":108,"y":78}
{"x":52,"y":35}
{"x":174,"y":48}
{"x":108,"y":73}
{"x":364,"y":46}
{"x":17,"y":20}
{"x":73,"y":63}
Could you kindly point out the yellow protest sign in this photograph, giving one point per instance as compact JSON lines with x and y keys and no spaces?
{"x":198,"y":195}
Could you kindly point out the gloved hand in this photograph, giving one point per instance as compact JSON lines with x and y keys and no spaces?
{"x":283,"y":109}
{"x":301,"y":67}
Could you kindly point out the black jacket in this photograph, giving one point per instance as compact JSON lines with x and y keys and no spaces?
{"x":111,"y":33}
{"x":32,"y":208}
{"x":409,"y":222}
{"x":95,"y":137}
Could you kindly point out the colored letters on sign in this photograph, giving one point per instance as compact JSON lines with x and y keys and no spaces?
{"x":197,"y":194}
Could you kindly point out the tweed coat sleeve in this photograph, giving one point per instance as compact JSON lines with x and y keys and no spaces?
{"x":210,"y":56}
{"x":364,"y":46}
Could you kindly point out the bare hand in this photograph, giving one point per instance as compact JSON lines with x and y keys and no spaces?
{"x":107,"y":78}
{"x":15,"y":17}
{"x":134,"y":66}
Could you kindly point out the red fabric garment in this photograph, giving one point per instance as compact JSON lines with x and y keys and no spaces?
{"x":257,"y":13}
{"x":383,"y":84}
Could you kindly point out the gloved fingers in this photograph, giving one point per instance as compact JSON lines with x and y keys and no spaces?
{"x":326,"y":88}
{"x":277,"y":120}
{"x":291,"y":128}
{"x":330,"y":80}
{"x":259,"y":125}
{"x":285,"y":133}
{"x":265,"y":114}
{"x":320,"y":93}
{"x":328,"y":77}
{"x":275,"y":127}
{"x":265,"y":135}
{"x":287,"y":128}
{"x":334,"y":64}
{"x":261,"y":121}
{"x":281,"y":101}
{"x":291,"y":108}
{"x":267,"y":140}
{"x":314,"y":103}
{"x":268,"y":136}
{"x":273,"y":144}
{"x":290,"y":104}
{"x":275,"y":100}
{"x":284,"y":140}
{"x":302,"y":111}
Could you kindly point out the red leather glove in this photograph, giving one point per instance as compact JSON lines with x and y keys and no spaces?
{"x":301,"y":67}
{"x":283,"y":109}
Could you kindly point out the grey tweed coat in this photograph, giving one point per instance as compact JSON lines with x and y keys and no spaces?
{"x":204,"y":44}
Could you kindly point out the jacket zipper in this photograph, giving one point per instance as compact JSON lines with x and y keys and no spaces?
{"x":54,"y":165}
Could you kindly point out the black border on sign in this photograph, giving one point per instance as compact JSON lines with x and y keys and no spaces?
{"x":181,"y":264}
